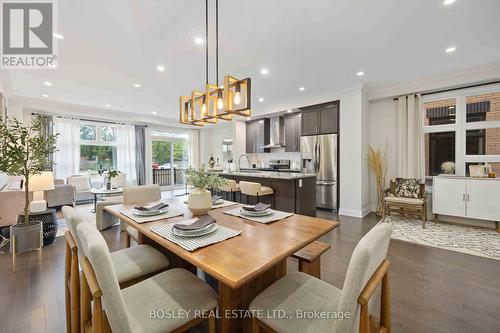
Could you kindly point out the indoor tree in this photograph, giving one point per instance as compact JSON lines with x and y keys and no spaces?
{"x":25,"y":151}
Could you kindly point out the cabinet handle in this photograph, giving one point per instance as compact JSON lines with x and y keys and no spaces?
{"x":468,"y":197}
{"x":463,"y":197}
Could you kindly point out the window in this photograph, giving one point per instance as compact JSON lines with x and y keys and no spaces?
{"x":462,"y":127}
{"x":97,"y":146}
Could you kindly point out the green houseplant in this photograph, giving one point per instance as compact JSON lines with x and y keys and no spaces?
{"x":200,"y":199}
{"x":108,"y":174}
{"x":25,"y":151}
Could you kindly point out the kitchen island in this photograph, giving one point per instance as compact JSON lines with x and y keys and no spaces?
{"x":293,"y":192}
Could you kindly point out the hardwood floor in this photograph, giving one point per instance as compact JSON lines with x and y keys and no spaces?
{"x":433,"y":290}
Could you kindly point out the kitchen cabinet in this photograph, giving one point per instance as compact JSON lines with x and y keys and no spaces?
{"x":292,"y":132}
{"x":320,"y":119}
{"x":256,"y":136}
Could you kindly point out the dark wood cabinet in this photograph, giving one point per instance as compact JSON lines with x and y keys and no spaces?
{"x":256,"y":136}
{"x":292,"y":132}
{"x":320,"y":119}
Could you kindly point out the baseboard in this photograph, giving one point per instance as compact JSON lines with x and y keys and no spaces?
{"x":355,"y":212}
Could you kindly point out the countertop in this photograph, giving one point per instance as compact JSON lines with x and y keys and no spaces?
{"x":268,"y":174}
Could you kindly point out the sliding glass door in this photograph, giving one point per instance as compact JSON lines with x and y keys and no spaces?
{"x":170,"y":157}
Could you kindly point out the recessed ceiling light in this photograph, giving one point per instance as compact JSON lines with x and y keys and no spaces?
{"x":264,"y":71}
{"x":154,"y":113}
{"x":45,"y":95}
{"x":58,"y":36}
{"x":160,"y":68}
{"x":360,"y":73}
{"x":288,"y":110}
{"x":448,"y":2}
{"x":137,"y":85}
{"x":199,"y":40}
{"x":261,"y":99}
{"x":451,"y":49}
{"x":302,"y":88}
{"x":48,"y":84}
{"x":108,"y":105}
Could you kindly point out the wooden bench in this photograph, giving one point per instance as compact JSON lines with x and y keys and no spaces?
{"x":309,"y":258}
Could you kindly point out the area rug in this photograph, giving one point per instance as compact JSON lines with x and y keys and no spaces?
{"x":475,"y":241}
{"x":85,"y":212}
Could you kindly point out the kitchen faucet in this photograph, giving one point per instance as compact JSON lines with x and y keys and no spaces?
{"x":239,"y":161}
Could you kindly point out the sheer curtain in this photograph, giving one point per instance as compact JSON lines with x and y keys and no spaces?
{"x":409,"y":134}
{"x":140,"y":161}
{"x":125,"y":151}
{"x":67,"y":156}
{"x":195,"y":149}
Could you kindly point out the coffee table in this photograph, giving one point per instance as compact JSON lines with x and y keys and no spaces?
{"x":103,"y":191}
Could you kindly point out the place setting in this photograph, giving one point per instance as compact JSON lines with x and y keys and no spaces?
{"x":149,"y":213}
{"x":194,"y":233}
{"x":260,"y":212}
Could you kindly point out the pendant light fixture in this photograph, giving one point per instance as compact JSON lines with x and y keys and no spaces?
{"x":217,"y":102}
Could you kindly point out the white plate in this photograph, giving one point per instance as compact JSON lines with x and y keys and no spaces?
{"x":150,"y":213}
{"x":218,"y":202}
{"x":266,"y":212}
{"x":195,"y":233}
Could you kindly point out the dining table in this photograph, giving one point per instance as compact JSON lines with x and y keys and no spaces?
{"x":244,"y":265}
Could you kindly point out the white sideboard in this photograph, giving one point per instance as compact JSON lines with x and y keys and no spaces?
{"x":475,"y":198}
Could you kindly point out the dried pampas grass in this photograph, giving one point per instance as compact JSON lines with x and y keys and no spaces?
{"x":378,"y":164}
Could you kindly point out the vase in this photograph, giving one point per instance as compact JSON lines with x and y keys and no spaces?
{"x":199,"y":201}
{"x":108,"y":185}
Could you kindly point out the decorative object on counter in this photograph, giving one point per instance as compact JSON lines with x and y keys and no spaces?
{"x":492,"y":175}
{"x":216,"y":102}
{"x":211,"y":162}
{"x":479,"y":171}
{"x":26,"y":151}
{"x":200,"y":198}
{"x":448,"y":168}
{"x":378,"y":164}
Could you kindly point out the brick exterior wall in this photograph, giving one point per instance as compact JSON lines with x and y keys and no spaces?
{"x":492,"y":135}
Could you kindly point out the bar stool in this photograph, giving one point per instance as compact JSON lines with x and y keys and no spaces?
{"x":256,"y":190}
{"x":231,"y":188}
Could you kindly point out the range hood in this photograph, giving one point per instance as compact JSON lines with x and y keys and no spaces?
{"x":276,"y":132}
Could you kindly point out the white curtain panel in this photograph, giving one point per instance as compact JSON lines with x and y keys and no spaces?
{"x":125,"y":151}
{"x":195,"y":149}
{"x":409,"y":133}
{"x":67,"y":156}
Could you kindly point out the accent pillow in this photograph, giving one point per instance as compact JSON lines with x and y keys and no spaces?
{"x":408,"y":188}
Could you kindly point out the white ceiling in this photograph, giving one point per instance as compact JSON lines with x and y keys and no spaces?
{"x":110,"y":45}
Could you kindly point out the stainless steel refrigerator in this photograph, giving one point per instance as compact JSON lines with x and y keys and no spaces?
{"x":319,"y":155}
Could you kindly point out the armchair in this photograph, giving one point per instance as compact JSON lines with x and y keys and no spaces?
{"x":405,"y":205}
{"x":82,"y":187}
{"x":61,"y":195}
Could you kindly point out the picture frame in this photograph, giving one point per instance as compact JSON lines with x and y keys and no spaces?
{"x":479,"y":171}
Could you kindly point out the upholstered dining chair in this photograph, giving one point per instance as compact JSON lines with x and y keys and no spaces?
{"x":134,"y":195}
{"x":138,"y":308}
{"x":131,"y":265}
{"x":298,"y":293}
{"x":231,"y":188}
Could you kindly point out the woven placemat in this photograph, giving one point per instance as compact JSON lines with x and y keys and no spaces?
{"x":143,"y":219}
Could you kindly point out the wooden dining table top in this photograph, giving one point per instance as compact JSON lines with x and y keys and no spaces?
{"x":237,"y":260}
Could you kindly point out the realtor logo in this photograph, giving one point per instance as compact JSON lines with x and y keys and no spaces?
{"x":27,"y":35}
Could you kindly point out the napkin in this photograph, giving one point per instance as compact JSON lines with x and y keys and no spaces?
{"x":201,"y":223}
{"x":152,"y":207}
{"x":260,"y":207}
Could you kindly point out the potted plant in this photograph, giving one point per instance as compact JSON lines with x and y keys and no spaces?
{"x":108,"y":175}
{"x":200,"y":198}
{"x":25,"y":151}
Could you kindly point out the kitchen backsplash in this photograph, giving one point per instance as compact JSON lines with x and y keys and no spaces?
{"x":275,"y":154}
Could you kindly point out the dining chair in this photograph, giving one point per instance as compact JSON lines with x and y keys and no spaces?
{"x":344,"y":311}
{"x":251,"y":189}
{"x":132,"y":265}
{"x":138,"y":195}
{"x":231,"y":187}
{"x":143,"y":306}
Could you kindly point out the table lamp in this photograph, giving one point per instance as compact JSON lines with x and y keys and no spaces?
{"x":38,"y":184}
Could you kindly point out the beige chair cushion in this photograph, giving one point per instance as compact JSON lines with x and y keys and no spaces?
{"x":81,"y":183}
{"x":399,"y":200}
{"x":134,"y":262}
{"x":133,"y":232}
{"x":231,"y":185}
{"x":141,"y":194}
{"x":254,"y":189}
{"x":298,"y":291}
{"x":174,"y":290}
